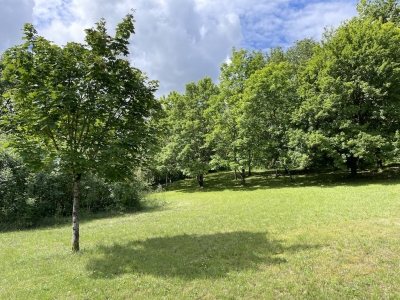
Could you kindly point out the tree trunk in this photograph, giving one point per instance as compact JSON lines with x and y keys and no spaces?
{"x":166,"y":180}
{"x":352,"y":165}
{"x":249,"y":163}
{"x":75,"y":212}
{"x":200,"y":180}
{"x":353,"y":170}
{"x":235,"y":172}
{"x":243,"y":175}
{"x":379,"y":163}
{"x":290,"y":174}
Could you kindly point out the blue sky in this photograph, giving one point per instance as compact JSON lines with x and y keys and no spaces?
{"x":179,"y":41}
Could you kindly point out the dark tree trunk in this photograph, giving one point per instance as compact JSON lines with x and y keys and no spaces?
{"x":64,"y":212}
{"x":287,"y":170}
{"x":200,"y":180}
{"x":379,"y":163}
{"x":75,"y":213}
{"x":352,"y":164}
{"x":249,"y":171}
{"x":243,"y":175}
{"x":235,"y":172}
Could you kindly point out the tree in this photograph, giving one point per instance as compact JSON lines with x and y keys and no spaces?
{"x":351,"y":93}
{"x":300,"y":53}
{"x":188,"y":127}
{"x":383,"y":10}
{"x":269,"y":99}
{"x":232,"y":144}
{"x":80,"y":105}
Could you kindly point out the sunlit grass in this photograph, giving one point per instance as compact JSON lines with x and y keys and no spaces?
{"x":316,"y":237}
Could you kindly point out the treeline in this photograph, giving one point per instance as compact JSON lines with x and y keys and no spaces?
{"x":329,"y":104}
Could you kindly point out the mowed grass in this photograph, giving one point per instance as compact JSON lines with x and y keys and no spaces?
{"x":319,"y":237}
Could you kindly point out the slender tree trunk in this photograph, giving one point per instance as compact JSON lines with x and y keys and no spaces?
{"x":75,"y":212}
{"x":200,"y":180}
{"x":290,"y":174}
{"x":353,"y":170}
{"x":166,"y":180}
{"x":353,"y":166}
{"x":249,"y":163}
{"x":243,"y":175}
{"x":234,"y":159}
{"x":379,"y":163}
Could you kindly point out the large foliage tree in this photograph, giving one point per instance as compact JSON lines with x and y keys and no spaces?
{"x":233,"y":143}
{"x":82,"y":106}
{"x":269,"y":99}
{"x":187,"y":127}
{"x":351,"y":93}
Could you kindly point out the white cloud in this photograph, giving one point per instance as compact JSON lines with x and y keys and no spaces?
{"x":265,"y":27}
{"x":174,"y":43}
{"x":178,"y":41}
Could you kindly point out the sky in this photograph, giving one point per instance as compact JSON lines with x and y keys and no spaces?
{"x":178,"y":41}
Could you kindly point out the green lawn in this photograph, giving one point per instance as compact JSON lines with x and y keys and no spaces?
{"x":318,"y":237}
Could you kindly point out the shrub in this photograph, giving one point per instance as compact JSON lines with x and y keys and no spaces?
{"x":26,"y":197}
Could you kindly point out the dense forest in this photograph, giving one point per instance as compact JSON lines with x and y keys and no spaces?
{"x":78,"y":121}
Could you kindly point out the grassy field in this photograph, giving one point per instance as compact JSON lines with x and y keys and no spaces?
{"x":319,"y":237}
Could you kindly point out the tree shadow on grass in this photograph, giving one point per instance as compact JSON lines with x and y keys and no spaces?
{"x":222,"y":181}
{"x":191,"y":256}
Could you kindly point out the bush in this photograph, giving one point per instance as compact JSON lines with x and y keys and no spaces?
{"x":26,"y":197}
{"x":14,"y":204}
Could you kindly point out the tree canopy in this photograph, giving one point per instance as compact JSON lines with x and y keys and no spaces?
{"x":350,"y":92}
{"x":187,"y":126}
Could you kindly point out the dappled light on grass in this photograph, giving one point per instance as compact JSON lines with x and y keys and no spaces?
{"x":191,"y":256}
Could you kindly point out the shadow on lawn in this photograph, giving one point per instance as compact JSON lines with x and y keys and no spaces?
{"x":191,"y":256}
{"x":221,"y":181}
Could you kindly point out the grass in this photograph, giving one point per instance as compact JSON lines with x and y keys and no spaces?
{"x":319,"y":237}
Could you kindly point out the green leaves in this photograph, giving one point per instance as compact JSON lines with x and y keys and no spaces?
{"x":349,"y":90}
{"x":186,"y":125}
{"x":81,"y":103}
{"x":230,"y":136}
{"x":383,"y":10}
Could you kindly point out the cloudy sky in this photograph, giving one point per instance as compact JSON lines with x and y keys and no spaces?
{"x":179,"y":41}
